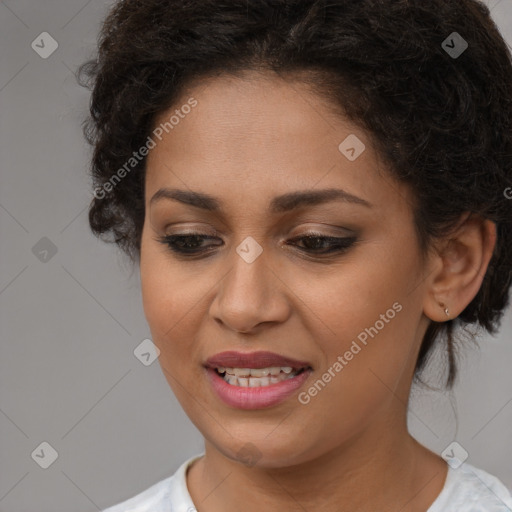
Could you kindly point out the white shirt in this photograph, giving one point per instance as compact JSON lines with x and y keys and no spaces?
{"x":466,"y":489}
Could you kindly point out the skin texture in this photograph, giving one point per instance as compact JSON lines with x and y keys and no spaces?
{"x":249,"y":139}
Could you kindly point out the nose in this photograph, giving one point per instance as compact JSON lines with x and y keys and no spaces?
{"x":249,"y":295}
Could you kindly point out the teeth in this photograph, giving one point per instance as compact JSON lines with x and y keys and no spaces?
{"x":257,"y":377}
{"x":264,"y":381}
{"x":255,"y":372}
{"x":243,"y":381}
{"x":259,"y":372}
{"x":254,"y":383}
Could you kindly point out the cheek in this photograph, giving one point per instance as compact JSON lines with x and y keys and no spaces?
{"x":365,"y":314}
{"x":169,"y":311}
{"x":175,"y":306}
{"x":355,"y":295}
{"x":364,"y":362}
{"x":158,"y":303}
{"x":165,"y":294}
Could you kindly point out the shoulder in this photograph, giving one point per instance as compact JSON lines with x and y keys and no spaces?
{"x":470,"y":489}
{"x":161,"y":496}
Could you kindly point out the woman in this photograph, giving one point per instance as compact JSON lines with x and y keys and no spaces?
{"x":315,"y":193}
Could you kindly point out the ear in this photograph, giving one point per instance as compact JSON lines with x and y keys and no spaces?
{"x":459,"y":264}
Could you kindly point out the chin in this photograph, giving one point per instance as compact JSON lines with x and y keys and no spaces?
{"x":253,"y":451}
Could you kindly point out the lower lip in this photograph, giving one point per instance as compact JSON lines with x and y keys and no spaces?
{"x":255,"y":398}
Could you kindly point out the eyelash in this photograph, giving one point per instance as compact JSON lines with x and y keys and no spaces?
{"x":338,"y":245}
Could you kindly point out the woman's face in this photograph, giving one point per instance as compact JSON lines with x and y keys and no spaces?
{"x":354,"y":315}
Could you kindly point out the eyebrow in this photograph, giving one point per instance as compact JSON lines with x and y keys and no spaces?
{"x":278,"y":204}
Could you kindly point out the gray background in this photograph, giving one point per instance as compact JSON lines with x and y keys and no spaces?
{"x":70,"y":324}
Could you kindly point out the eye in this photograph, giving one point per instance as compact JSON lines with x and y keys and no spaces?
{"x":190,"y":244}
{"x":186,"y":243}
{"x":316,"y":243}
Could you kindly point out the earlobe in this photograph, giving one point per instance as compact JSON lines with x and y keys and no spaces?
{"x":437,"y":310}
{"x":461,"y":263}
{"x":446,"y":310}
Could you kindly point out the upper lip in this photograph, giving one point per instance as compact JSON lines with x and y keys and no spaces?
{"x":233,"y":359}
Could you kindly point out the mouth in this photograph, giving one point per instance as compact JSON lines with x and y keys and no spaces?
{"x":255,"y":380}
{"x":258,"y":377}
{"x":255,"y":369}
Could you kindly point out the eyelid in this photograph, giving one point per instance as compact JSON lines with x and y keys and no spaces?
{"x":326,"y":230}
{"x":303,"y":228}
{"x":192,"y":231}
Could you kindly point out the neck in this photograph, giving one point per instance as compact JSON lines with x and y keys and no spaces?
{"x":367,"y":473}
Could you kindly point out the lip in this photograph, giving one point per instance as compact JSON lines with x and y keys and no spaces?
{"x":255,"y":398}
{"x":261,"y":359}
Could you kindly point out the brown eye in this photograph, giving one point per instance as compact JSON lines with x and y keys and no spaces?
{"x":320,"y":244}
{"x":189,"y":243}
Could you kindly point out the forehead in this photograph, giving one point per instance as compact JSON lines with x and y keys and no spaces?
{"x":247,"y":114}
{"x":259,"y":133}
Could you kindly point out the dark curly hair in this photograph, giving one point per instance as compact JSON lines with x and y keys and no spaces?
{"x":441,"y":121}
